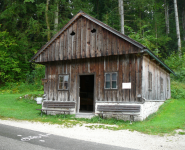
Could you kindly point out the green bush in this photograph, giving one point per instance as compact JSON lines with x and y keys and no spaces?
{"x":32,"y":83}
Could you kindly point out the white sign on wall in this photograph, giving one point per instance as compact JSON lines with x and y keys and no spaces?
{"x":126,"y":85}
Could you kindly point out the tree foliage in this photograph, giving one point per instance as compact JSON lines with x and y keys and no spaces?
{"x":25,"y":27}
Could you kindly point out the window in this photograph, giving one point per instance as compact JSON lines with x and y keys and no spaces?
{"x":167,"y":84}
{"x":111,"y":80}
{"x":149,"y":81}
{"x":63,"y":83}
{"x":161,"y":85}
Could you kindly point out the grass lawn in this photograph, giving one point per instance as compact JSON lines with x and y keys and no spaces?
{"x":170,"y":116}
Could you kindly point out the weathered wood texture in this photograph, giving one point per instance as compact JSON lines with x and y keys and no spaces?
{"x":157,"y":73}
{"x":128,"y":68}
{"x":85,"y":44}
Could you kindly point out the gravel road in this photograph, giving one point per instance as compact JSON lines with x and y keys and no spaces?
{"x":123,"y":138}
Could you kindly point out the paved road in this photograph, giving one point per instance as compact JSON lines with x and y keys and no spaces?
{"x":13,"y":138}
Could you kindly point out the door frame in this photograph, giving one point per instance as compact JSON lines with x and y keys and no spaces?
{"x":77,"y":94}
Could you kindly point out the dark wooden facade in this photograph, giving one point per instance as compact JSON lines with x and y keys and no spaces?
{"x":77,"y":51}
{"x":128,"y":68}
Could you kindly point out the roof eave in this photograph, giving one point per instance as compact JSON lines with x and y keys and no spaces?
{"x":158,"y":60}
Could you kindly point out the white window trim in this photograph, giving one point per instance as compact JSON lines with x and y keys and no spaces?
{"x":63,"y":82}
{"x":111,"y":81}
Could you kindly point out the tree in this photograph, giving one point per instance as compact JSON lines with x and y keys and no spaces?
{"x":177,"y":27}
{"x":121,"y":12}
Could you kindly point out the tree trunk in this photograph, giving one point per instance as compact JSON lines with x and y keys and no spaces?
{"x":47,"y":21}
{"x":56,"y":17}
{"x":183,"y":22}
{"x":121,"y":12}
{"x":167,"y":18}
{"x":177,"y":26}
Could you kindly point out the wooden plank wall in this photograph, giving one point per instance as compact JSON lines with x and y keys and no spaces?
{"x":157,"y":72}
{"x":85,"y":44}
{"x":128,"y":68}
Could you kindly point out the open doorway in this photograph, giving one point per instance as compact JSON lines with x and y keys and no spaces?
{"x":86,"y":93}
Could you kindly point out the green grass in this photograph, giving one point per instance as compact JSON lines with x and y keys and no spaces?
{"x":171,"y":116}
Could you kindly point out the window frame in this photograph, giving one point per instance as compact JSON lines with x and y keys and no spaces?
{"x":149,"y":81}
{"x":161,"y":85}
{"x":63,"y":82}
{"x":111,"y":80}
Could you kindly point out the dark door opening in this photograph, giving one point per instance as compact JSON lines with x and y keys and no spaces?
{"x":86,"y":93}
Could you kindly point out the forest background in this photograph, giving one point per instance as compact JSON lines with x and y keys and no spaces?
{"x":26,"y":25}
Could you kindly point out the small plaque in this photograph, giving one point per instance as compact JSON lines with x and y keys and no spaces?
{"x":126,"y":85}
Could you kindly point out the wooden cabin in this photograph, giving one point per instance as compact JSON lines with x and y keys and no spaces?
{"x":92,"y":64}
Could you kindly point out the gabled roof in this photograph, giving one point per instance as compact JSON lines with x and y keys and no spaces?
{"x":103,"y":25}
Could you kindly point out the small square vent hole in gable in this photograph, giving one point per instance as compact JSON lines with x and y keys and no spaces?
{"x":72,"y":33}
{"x":93,"y":30}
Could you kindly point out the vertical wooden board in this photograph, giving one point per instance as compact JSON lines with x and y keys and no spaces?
{"x":80,"y":66}
{"x":50,"y":83}
{"x":46,"y":55}
{"x":68,"y":64}
{"x":85,"y":66}
{"x":115,"y":64}
{"x":46,"y":84}
{"x":108,"y":44}
{"x":123,"y":60}
{"x":92,"y":63}
{"x":126,"y":47}
{"x":133,"y":79}
{"x":93,"y":41}
{"x":79,"y":38}
{"x":65,"y":45}
{"x":72,"y":83}
{"x":57,"y":52}
{"x":74,"y":39}
{"x":62,"y":47}
{"x":59,"y":96}
{"x":97,"y":79}
{"x":104,"y":34}
{"x":154,"y":83}
{"x":56,"y":82}
{"x":140,"y":76}
{"x":137,"y":58}
{"x":88,"y":39}
{"x":101,"y":79}
{"x":42,"y":57}
{"x":70,"y":41}
{"x":122,"y":46}
{"x":49,"y":53}
{"x":120,"y":78}
{"x":112,"y":37}
{"x":84,"y":40}
{"x":106,"y":64}
{"x":115,"y":45}
{"x":115,"y":99}
{"x":101,"y":42}
{"x":98,"y":41}
{"x":53,"y":50}
{"x":144,"y":77}
{"x":118,"y":45}
{"x":127,"y":78}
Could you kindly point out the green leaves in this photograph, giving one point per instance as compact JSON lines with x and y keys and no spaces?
{"x":27,"y":1}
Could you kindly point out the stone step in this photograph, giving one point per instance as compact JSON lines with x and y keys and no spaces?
{"x":84,"y":115}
